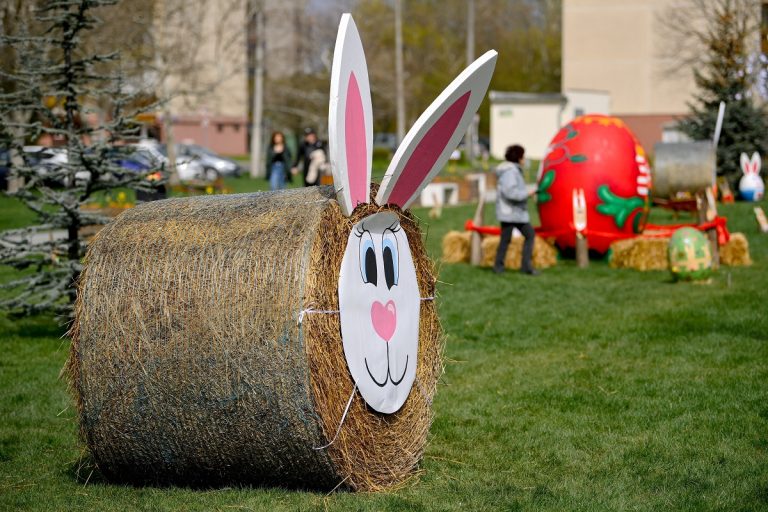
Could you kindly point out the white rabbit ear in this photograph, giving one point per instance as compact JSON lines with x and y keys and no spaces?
{"x":755,"y":163}
{"x":350,"y":119}
{"x":433,"y":137}
{"x":744,"y":161}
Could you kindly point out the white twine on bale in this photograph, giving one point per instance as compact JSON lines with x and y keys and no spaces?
{"x":423,"y":392}
{"x":349,"y":403}
{"x":310,"y":311}
{"x":343,"y":417}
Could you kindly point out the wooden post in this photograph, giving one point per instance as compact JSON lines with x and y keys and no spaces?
{"x":706,"y":213}
{"x":582,"y":251}
{"x":580,"y":224}
{"x":476,"y":241}
{"x":762,"y":222}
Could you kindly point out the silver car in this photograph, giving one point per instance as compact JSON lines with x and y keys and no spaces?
{"x":213,"y":165}
{"x":188,"y":168}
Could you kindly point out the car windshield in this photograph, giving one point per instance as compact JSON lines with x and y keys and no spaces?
{"x":200,"y":150}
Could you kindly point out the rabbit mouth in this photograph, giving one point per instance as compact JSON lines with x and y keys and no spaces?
{"x":388,"y":376}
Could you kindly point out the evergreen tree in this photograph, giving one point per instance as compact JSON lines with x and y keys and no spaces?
{"x":54,"y":88}
{"x":726,"y":75}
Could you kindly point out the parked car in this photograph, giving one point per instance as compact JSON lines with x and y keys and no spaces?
{"x":46,"y":161}
{"x":214,"y":165}
{"x":188,"y":168}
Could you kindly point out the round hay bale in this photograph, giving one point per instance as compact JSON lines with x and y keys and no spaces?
{"x":193,"y":364}
{"x":456,"y":247}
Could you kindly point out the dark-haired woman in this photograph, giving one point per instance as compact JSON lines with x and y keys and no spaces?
{"x":278,"y":162}
{"x":512,"y":208}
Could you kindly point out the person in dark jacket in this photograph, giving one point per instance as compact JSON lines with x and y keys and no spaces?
{"x":303,"y":157}
{"x":512,"y":208}
{"x":278,"y":160}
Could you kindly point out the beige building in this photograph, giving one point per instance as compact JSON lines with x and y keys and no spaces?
{"x":532,"y":120}
{"x":619,"y":46}
{"x":201,"y":51}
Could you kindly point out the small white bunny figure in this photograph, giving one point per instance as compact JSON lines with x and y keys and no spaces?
{"x":379,"y":298}
{"x":751,"y":186}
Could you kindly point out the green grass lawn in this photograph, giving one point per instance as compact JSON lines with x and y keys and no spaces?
{"x":593,"y":389}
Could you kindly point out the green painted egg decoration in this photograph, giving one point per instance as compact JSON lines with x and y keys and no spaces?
{"x":689,"y":255}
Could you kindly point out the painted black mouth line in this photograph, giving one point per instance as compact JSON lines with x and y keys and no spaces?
{"x":380,"y":384}
{"x":388,"y":377}
{"x":398,"y":381}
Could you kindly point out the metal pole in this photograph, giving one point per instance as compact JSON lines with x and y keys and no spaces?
{"x":399,"y":88}
{"x":169,"y":139}
{"x":257,"y":169}
{"x":469,"y":142}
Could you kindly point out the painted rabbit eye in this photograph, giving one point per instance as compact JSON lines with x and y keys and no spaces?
{"x":391,"y":257}
{"x":367,"y":259}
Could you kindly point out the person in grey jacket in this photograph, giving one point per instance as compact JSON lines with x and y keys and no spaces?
{"x":512,"y":208}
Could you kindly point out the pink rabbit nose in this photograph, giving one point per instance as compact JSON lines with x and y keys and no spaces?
{"x":384,"y":319}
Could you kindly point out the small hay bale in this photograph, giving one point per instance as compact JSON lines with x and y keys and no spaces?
{"x":189,"y":365}
{"x":456,"y":246}
{"x":640,"y":253}
{"x":736,"y":251}
{"x":646,"y":253}
{"x":544,"y":253}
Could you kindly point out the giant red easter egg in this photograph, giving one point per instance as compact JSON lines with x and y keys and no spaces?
{"x":599,"y":155}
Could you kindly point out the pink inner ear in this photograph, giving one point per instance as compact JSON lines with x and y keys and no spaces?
{"x":428,"y":151}
{"x":355,"y":142}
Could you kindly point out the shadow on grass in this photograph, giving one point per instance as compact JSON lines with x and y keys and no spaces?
{"x":85,"y":471}
{"x":39,"y":326}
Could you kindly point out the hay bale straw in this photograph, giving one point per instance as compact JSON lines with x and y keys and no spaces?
{"x":544,"y":253}
{"x":640,"y":253}
{"x":189,"y":365}
{"x":736,"y":251}
{"x":456,"y":246}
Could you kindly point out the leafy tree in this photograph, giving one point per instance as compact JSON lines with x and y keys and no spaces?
{"x":526,"y":34}
{"x":726,"y":74}
{"x":56,"y":90}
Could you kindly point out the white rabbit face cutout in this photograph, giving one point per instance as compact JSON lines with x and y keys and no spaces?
{"x":379,"y":305}
{"x":379,"y":302}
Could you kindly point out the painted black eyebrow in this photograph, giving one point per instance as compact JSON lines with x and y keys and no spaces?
{"x":394,"y":227}
{"x":359,"y":232}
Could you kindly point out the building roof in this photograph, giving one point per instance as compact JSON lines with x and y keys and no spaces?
{"x":518,"y":98}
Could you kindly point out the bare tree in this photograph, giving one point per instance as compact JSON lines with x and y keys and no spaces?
{"x":687,"y":26}
{"x":189,"y":49}
{"x":718,"y":44}
{"x":55,"y":65}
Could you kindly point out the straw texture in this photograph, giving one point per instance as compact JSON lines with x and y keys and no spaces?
{"x":456,"y":246}
{"x":736,"y":251}
{"x":650,"y":253}
{"x":640,"y":253}
{"x":189,"y":365}
{"x":544,"y":253}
